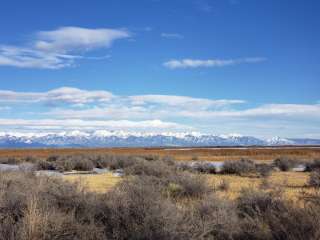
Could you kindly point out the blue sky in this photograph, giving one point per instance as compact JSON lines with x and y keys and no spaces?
{"x":213,"y":66}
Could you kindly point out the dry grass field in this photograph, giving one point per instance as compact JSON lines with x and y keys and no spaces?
{"x":292,"y":183}
{"x":183,"y":154}
{"x":95,"y":182}
{"x":167,"y":198}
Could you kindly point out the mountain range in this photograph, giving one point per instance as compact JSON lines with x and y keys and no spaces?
{"x":104,"y":138}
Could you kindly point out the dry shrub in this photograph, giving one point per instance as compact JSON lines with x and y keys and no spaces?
{"x":285,"y":164}
{"x":224,"y":185}
{"x":204,"y":168}
{"x":151,"y":157}
{"x":265,"y":183}
{"x":313,"y":166}
{"x":66,"y":163}
{"x":42,"y":208}
{"x":53,"y":158}
{"x":83,"y":164}
{"x":266,"y":215}
{"x":169,"y":160}
{"x":174,"y":190}
{"x":243,"y":166}
{"x":10,"y":160}
{"x":45,"y":165}
{"x":184,"y":166}
{"x":156,"y":201}
{"x":314,"y":179}
{"x":158,"y":169}
{"x":104,"y":161}
{"x":136,"y":210}
{"x":175,"y":183}
{"x":121,"y":162}
{"x":191,"y":185}
{"x":211,"y":218}
{"x":311,"y":198}
{"x":57,"y":225}
{"x":254,"y":202}
{"x":264,"y":170}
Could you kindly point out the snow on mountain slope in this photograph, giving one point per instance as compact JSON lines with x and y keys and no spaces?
{"x":279,"y":141}
{"x":104,"y":138}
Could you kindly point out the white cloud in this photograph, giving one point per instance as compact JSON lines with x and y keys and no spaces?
{"x":104,"y":104}
{"x":196,"y":63}
{"x":66,"y":39}
{"x":56,"y":49}
{"x":59,"y":95}
{"x":183,"y":101}
{"x":79,"y":96}
{"x":268,"y":111}
{"x":172,"y":35}
{"x":30,"y":58}
{"x":118,"y":112}
{"x":290,"y":112}
{"x":55,"y":124}
{"x":77,"y":108}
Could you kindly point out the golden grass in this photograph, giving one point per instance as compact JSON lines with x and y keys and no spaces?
{"x":95,"y":182}
{"x":292,"y":183}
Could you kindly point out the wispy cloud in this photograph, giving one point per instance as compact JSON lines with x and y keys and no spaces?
{"x":68,"y":39}
{"x":55,"y":96}
{"x":30,"y":58}
{"x":59,"y":48}
{"x":267,"y":111}
{"x":172,"y":35}
{"x":75,"y":95}
{"x":197,"y":63}
{"x":75,"y":124}
{"x":186,"y":102}
{"x":75,"y":108}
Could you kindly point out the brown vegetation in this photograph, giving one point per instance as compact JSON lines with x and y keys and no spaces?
{"x":156,"y":199}
{"x":208,"y":154}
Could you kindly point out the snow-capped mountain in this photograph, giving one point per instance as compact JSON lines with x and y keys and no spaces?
{"x":104,"y":138}
{"x":280,"y":141}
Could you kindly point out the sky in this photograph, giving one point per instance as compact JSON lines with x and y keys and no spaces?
{"x":211,"y":66}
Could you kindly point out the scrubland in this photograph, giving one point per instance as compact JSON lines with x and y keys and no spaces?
{"x":158,"y":197}
{"x":183,"y":154}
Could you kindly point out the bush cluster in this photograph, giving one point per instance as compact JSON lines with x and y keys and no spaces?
{"x":264,"y":170}
{"x":205,"y":168}
{"x":155,"y":201}
{"x":240,"y":167}
{"x":285,"y":164}
{"x":83,"y":162}
{"x":312,"y":166}
{"x":314,"y":179}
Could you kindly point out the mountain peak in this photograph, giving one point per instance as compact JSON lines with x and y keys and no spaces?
{"x":106,"y":138}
